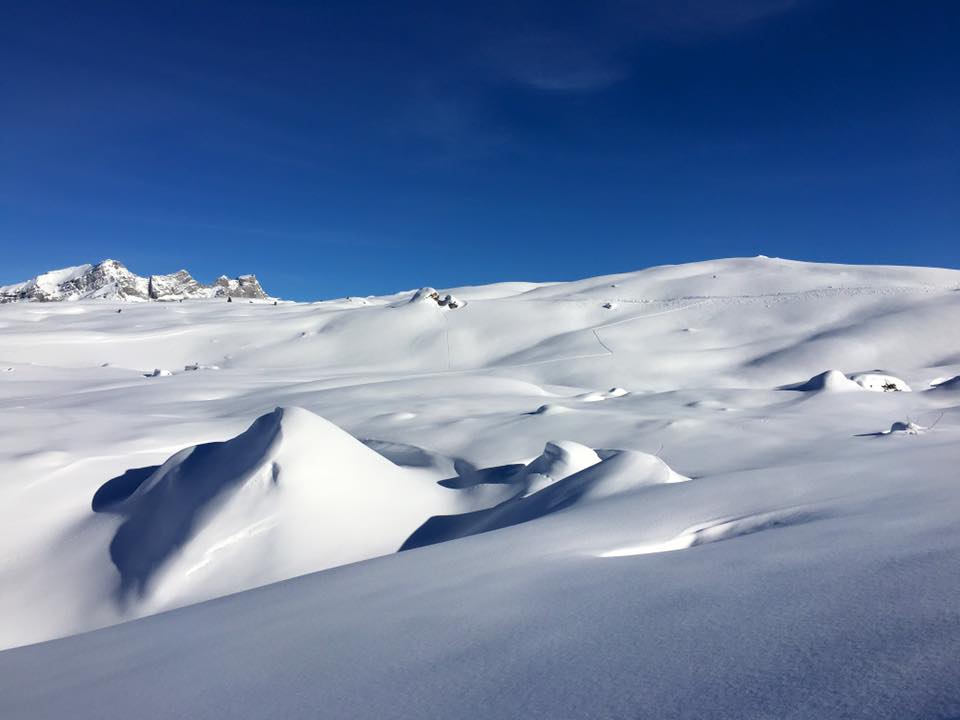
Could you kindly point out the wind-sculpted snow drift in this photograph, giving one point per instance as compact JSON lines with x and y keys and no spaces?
{"x":295,"y":494}
{"x":292,"y":494}
{"x":550,"y":484}
{"x":529,"y":450}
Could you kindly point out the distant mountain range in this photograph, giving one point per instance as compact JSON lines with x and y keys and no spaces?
{"x":111,"y":280}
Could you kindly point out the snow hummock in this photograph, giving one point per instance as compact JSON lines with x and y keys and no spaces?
{"x":952,"y":383}
{"x":596,"y":396}
{"x":836,"y":381}
{"x":906,"y":426}
{"x":565,"y":476}
{"x":828,"y":381}
{"x":558,"y":460}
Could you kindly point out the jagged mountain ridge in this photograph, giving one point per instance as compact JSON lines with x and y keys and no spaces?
{"x":111,"y":280}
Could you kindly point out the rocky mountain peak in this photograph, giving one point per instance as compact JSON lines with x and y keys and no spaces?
{"x":111,"y":280}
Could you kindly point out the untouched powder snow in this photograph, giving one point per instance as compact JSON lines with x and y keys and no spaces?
{"x":687,"y":505}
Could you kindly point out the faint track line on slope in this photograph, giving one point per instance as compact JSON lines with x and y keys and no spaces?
{"x":596,"y":330}
{"x":446,"y":337}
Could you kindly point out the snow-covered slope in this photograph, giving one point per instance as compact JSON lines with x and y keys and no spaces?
{"x":110,"y":280}
{"x":673,"y":493}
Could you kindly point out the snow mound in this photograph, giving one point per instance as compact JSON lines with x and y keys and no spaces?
{"x":907,"y":427}
{"x":559,"y":459}
{"x":829,"y":381}
{"x":619,"y":473}
{"x":879,"y":382}
{"x":613,"y":392}
{"x":836,"y":381}
{"x":292,"y":494}
{"x":947,"y":384}
{"x":159,"y":372}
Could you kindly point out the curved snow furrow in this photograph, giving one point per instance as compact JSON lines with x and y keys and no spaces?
{"x":596,"y":330}
{"x":718,"y":530}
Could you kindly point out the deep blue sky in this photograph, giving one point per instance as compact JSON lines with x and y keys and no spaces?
{"x":364,"y":147}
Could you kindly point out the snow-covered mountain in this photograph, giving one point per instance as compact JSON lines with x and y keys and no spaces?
{"x":111,"y":280}
{"x":724,"y":489}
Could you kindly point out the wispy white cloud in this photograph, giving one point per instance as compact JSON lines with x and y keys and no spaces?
{"x":591,"y":53}
{"x":557,"y":62}
{"x":556,"y":52}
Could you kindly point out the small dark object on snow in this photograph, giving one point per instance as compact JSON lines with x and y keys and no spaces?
{"x":119,"y":309}
{"x":229,"y":299}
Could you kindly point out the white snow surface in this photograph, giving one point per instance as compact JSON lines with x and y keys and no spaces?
{"x":601,"y":514}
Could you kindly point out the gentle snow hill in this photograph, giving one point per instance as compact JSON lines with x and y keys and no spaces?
{"x":842,"y":317}
{"x":810,"y":556}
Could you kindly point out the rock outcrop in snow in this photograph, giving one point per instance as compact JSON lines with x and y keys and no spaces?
{"x":429,"y":295}
{"x":111,"y":280}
